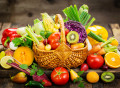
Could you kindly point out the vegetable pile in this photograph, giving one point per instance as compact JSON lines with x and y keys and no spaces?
{"x":46,"y":35}
{"x":79,"y":28}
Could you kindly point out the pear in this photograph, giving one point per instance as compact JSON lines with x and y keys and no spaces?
{"x":73,"y":75}
{"x":19,"y":78}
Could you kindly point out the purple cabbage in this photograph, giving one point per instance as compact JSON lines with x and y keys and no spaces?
{"x":78,"y":27}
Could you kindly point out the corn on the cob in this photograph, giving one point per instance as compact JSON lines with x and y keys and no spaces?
{"x":48,"y":22}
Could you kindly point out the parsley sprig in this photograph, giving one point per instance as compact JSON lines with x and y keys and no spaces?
{"x":79,"y":79}
{"x":23,"y":41}
{"x":34,"y":69}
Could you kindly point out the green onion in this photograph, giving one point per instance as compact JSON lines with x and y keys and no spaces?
{"x":80,"y":15}
{"x":31,"y":34}
{"x":93,"y":19}
{"x":76,"y":11}
{"x":83,"y":8}
{"x":110,"y":48}
{"x":96,"y":37}
{"x":108,"y":41}
{"x":88,"y":17}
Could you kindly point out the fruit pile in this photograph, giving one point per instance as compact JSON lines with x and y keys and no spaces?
{"x":102,"y":52}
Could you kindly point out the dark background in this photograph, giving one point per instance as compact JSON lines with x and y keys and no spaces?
{"x":25,"y":11}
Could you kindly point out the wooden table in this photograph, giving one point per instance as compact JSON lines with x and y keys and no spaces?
{"x":5,"y":82}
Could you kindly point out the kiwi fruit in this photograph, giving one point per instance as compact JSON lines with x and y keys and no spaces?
{"x":72,"y":37}
{"x":107,"y":77}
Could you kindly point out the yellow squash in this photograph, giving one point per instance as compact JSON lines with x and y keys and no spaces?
{"x":98,"y":30}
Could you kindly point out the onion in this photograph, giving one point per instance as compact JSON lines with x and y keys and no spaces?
{"x":89,"y":45}
{"x":12,"y":46}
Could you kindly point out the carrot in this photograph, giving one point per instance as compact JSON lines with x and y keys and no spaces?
{"x":99,"y":46}
{"x":95,"y":48}
{"x":100,"y":43}
{"x":101,"y":52}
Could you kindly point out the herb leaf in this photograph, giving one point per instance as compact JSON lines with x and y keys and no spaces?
{"x":34,"y":66}
{"x":9,"y":61}
{"x":74,"y":81}
{"x":40,"y":72}
{"x":81,"y":84}
{"x":27,"y":42}
{"x":80,"y":73}
{"x":79,"y":79}
{"x":17,"y":41}
{"x":32,"y":72}
{"x":23,"y":66}
{"x":23,"y":41}
{"x":45,"y":34}
{"x":48,"y":33}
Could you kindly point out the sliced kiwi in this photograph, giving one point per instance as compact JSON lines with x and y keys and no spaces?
{"x":72,"y":37}
{"x":107,"y":76}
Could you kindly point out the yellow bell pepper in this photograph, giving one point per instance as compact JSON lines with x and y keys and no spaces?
{"x":98,"y":30}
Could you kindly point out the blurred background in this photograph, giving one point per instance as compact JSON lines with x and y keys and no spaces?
{"x":25,"y":11}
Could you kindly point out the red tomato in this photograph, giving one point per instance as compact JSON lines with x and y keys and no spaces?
{"x":66,"y":32}
{"x":95,"y":61}
{"x":54,"y":39}
{"x":55,"y":45}
{"x":84,"y":67}
{"x":60,"y":76}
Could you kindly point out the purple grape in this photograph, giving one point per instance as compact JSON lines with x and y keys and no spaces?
{"x":104,"y":67}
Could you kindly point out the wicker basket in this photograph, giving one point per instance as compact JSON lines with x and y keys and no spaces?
{"x":63,"y":56}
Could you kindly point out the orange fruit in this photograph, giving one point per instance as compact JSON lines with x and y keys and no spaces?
{"x":24,"y":55}
{"x":115,"y":42}
{"x":92,"y":77}
{"x":112,"y":59}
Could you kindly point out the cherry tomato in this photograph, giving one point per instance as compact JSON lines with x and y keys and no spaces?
{"x":84,"y":67}
{"x":60,"y":76}
{"x":66,"y":32}
{"x":95,"y":61}
{"x":54,"y":39}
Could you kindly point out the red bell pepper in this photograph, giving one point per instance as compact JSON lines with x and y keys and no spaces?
{"x":8,"y":35}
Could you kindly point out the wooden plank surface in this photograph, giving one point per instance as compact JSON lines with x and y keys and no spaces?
{"x":116,"y":31}
{"x":7,"y":83}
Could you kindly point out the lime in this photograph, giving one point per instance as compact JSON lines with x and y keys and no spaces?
{"x":4,"y":61}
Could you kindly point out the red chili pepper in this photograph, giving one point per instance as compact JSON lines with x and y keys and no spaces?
{"x":8,"y":35}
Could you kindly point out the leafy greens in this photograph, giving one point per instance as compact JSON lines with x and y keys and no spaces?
{"x":80,"y":15}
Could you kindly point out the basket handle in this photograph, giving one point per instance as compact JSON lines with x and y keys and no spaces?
{"x":59,"y":18}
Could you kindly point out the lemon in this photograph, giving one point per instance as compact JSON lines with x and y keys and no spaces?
{"x":92,"y":77}
{"x":4,"y":61}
